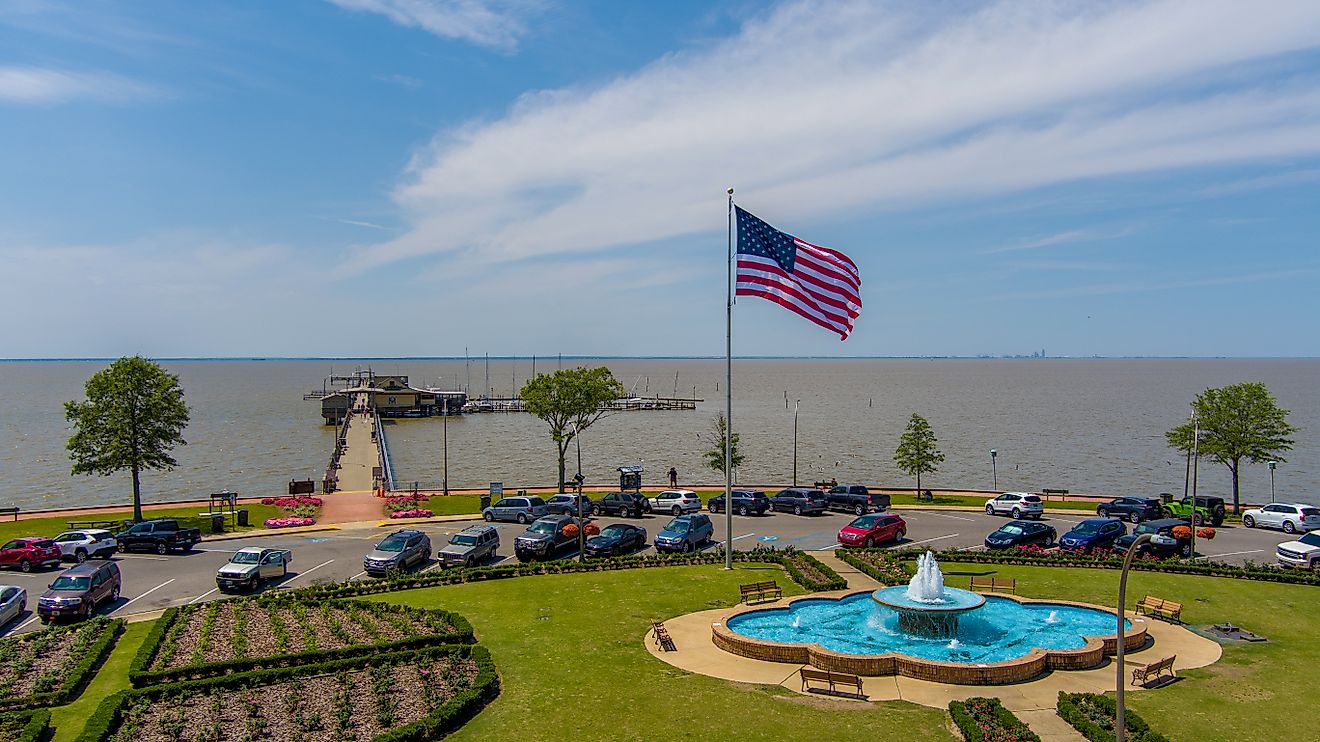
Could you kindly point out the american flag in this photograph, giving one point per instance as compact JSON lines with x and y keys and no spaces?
{"x":818,"y":283}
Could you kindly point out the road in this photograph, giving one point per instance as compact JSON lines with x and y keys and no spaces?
{"x":152,"y":582}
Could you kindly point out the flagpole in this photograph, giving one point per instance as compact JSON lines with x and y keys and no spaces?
{"x":728,"y":401}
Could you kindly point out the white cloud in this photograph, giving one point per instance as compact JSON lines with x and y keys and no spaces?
{"x":824,"y":108}
{"x":43,"y":86}
{"x":493,"y":23}
{"x":1062,"y":238}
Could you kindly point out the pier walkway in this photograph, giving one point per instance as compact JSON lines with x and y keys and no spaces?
{"x":361,"y":454}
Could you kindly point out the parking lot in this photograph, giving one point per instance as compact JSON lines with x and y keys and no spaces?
{"x":152,"y":582}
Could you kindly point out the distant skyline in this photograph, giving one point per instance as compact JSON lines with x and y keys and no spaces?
{"x":390,"y":179}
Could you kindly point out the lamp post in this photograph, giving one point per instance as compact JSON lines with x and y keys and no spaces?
{"x":445,"y":477}
{"x":1273,"y":464}
{"x":994,"y":470}
{"x":1119,"y":728}
{"x":795,"y":419}
{"x":578,"y":478}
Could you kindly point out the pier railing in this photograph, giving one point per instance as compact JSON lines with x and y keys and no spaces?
{"x":332,"y":471}
{"x":386,"y":464}
{"x":514,"y":404}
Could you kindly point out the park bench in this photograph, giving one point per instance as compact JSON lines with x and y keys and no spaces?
{"x":109,"y":525}
{"x":662,"y":638}
{"x":1153,"y":606}
{"x":824,"y":485}
{"x":10,"y":511}
{"x":995,"y":583}
{"x":832,"y":681}
{"x":1145,"y":673}
{"x":757,"y":591}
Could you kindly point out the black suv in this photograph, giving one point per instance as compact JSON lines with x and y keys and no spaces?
{"x":799,"y":501}
{"x":855,"y":499}
{"x":1162,"y":542}
{"x":621,"y":503}
{"x":744,"y":502}
{"x":1131,"y":509}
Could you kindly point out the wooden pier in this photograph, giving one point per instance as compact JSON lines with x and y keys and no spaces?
{"x":360,"y":462}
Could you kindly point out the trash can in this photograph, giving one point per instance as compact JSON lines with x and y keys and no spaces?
{"x":217,"y":522}
{"x":485,"y":501}
{"x":242,"y":516}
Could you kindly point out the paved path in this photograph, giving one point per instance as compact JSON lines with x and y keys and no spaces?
{"x":361,"y":454}
{"x":857,"y":580}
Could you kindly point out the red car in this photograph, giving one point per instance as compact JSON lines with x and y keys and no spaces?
{"x":872,"y":529}
{"x":28,"y":552}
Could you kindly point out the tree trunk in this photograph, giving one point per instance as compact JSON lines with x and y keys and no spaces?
{"x":137,"y":496}
{"x":918,"y":485}
{"x":563,"y":453}
{"x":1237,"y":505}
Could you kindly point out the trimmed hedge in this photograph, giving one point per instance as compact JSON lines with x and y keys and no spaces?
{"x":1250,"y":571}
{"x":986,"y":720}
{"x":80,"y":672}
{"x":449,"y":716}
{"x":878,"y":565}
{"x":1070,"y":708}
{"x":139,"y":674}
{"x":31,"y":725}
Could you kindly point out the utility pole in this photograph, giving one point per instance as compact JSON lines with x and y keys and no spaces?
{"x":795,"y":422}
{"x":445,"y":417}
{"x":1119,"y":724}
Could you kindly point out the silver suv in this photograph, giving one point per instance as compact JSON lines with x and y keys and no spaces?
{"x":469,"y":546}
{"x":521,"y":509}
{"x":398,"y":551}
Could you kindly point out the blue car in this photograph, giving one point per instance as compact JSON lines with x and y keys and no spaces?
{"x":685,"y":533}
{"x":1092,"y":534}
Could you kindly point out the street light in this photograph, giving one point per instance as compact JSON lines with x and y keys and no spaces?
{"x":1273,"y":464}
{"x":579,"y":479}
{"x":1119,"y":727}
{"x":445,"y":479}
{"x":994,"y":470}
{"x":795,"y":419}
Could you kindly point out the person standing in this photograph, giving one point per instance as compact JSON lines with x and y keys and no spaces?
{"x":673,"y":477}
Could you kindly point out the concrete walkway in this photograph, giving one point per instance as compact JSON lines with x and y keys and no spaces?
{"x":361,"y":454}
{"x":857,"y":580}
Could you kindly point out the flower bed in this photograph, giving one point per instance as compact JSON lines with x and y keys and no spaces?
{"x":881,"y":566}
{"x":985,"y":719}
{"x":239,"y":635}
{"x":391,"y":697}
{"x":418,"y":513}
{"x":292,"y":502}
{"x":1095,"y":715}
{"x":289,"y":522}
{"x":24,"y":726}
{"x":45,"y":667}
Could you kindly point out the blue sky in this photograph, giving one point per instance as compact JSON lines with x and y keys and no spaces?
{"x":413,"y":177}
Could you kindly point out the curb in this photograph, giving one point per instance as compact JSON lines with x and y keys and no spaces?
{"x":433,"y":519}
{"x":262,"y":532}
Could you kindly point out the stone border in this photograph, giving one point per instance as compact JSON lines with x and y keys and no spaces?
{"x":1034,"y":663}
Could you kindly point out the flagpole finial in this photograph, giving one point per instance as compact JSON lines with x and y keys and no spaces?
{"x":731,"y":191}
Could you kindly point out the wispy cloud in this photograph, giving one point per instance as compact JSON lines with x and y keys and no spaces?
{"x":1062,"y":238}
{"x":493,"y":23}
{"x":44,"y":86}
{"x":821,"y":109}
{"x":360,"y":223}
{"x":402,"y":81}
{"x":1264,"y":182}
{"x":1148,"y":285}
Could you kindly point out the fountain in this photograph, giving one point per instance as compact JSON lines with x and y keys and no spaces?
{"x":926,"y":607}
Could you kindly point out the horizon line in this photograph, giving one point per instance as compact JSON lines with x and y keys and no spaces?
{"x":75,"y":359}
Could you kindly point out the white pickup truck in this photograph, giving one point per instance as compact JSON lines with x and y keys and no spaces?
{"x":250,"y":568}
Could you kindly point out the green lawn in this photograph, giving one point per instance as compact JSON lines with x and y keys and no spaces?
{"x":1243,"y":696}
{"x":48,"y":527}
{"x":978,"y":501}
{"x":68,"y":720}
{"x":584,"y":674}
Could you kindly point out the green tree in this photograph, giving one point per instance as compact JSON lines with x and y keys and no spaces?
{"x":570,"y":401}
{"x":714,"y":456}
{"x":917,"y":453}
{"x":133,"y":417}
{"x":1240,"y":422}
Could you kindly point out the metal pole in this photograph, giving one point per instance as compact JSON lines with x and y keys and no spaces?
{"x":1119,"y":727}
{"x":445,"y":480}
{"x":728,"y":399}
{"x":795,"y":421}
{"x":994,"y":469}
{"x":1272,"y":465}
{"x":1196,"y":461}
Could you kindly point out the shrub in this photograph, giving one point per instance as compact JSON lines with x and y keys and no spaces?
{"x":92,"y":641}
{"x":1094,"y":716}
{"x":986,"y":720}
{"x":24,"y":726}
{"x":289,"y":522}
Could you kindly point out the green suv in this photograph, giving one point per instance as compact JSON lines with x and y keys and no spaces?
{"x":1207,"y":508}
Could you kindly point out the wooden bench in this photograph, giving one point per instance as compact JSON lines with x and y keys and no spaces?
{"x":760,"y":591}
{"x":1153,"y":606}
{"x":10,"y":511}
{"x":832,"y":681}
{"x":662,"y":638}
{"x":109,"y":525}
{"x":1145,"y":673}
{"x":995,"y":583}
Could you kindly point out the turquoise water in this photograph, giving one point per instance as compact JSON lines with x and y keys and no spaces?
{"x":1001,"y":630}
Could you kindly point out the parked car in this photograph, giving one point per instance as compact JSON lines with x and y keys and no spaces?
{"x":470,"y":546}
{"x":521,"y":509}
{"x":620,"y":503}
{"x":1133,"y":509}
{"x":685,"y":533}
{"x":1092,"y":534}
{"x":1291,"y":518}
{"x":1162,"y":542}
{"x":13,"y":601}
{"x":616,"y":540}
{"x":1304,"y":552}
{"x":745,"y":502}
{"x":1207,"y":508}
{"x":799,"y":501}
{"x":161,"y":536}
{"x":28,"y":553}
{"x":855,"y":499}
{"x":251,"y":567}
{"x":568,"y":505}
{"x":1016,"y":504}
{"x":1022,"y":533}
{"x":398,"y":551}
{"x":676,"y":502}
{"x":79,"y":545}
{"x":546,"y":537}
{"x":79,"y":590}
{"x":871,"y":529}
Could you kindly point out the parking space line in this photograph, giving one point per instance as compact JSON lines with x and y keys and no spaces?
{"x":837,"y":545}
{"x":359,"y":574}
{"x":927,"y":540}
{"x":300,"y":574}
{"x":235,"y":551}
{"x":433,"y":565}
{"x":19,"y":627}
{"x":152,"y":558}
{"x":143,"y":595}
{"x":208,"y":592}
{"x":748,"y":535}
{"x":943,"y":515}
{"x":1231,"y":553}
